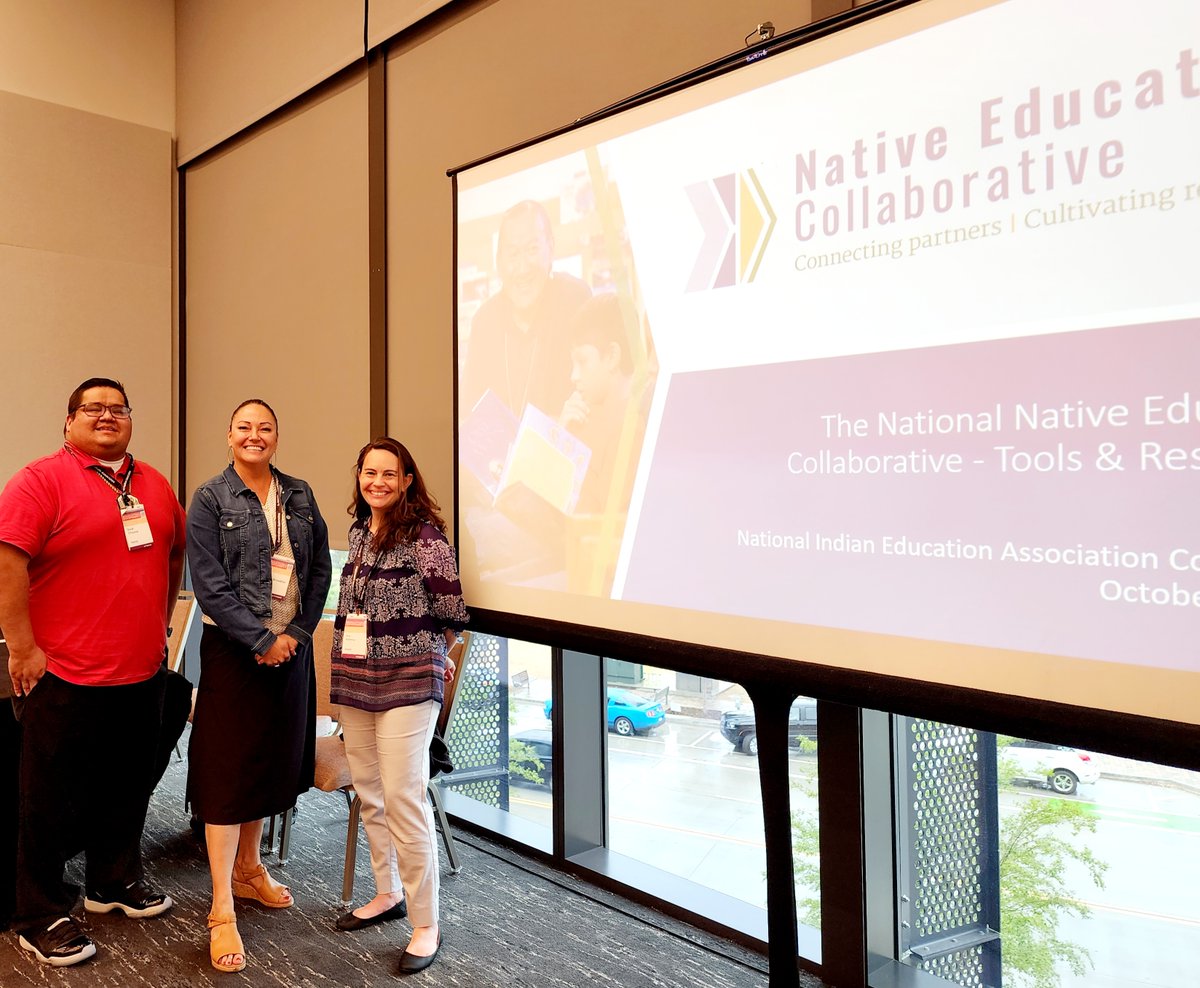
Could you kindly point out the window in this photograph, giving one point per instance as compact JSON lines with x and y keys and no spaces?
{"x":682,"y":798}
{"x":1027,"y":862}
{"x":500,"y":742}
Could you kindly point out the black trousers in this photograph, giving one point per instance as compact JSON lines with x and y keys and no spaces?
{"x":10,"y":760}
{"x":87,"y":765}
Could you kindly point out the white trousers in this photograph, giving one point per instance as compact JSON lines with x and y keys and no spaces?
{"x":388,"y":754}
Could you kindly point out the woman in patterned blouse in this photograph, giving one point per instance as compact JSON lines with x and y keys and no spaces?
{"x":399,"y":610}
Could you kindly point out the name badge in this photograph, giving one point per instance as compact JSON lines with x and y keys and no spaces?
{"x":281,"y":575}
{"x":354,"y":637}
{"x":136,"y":527}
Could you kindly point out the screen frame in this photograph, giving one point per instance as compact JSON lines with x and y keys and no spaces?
{"x":1117,"y":732}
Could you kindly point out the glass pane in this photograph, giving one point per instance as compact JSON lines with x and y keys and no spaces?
{"x":337,"y":558}
{"x":1121,"y":905}
{"x":682,"y":798}
{"x":531,"y":748}
{"x":806,"y":858}
{"x":499,"y":738}
{"x":1089,"y":872}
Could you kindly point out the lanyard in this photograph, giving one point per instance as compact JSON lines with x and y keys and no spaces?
{"x":121,"y":487}
{"x":358,"y":601}
{"x":277,"y":535}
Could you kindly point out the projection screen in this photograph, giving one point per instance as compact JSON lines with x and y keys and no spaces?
{"x":880,"y":352}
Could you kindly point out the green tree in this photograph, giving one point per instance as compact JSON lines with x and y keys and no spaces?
{"x":523,"y":760}
{"x":1039,"y":843}
{"x":806,"y":861}
{"x":806,"y":846}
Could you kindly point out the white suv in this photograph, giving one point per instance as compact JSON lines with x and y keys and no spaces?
{"x":1054,"y":766}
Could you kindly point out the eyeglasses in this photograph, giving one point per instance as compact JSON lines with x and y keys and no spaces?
{"x":94,"y":410}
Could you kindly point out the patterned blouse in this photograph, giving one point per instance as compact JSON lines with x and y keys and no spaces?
{"x":411,"y":595}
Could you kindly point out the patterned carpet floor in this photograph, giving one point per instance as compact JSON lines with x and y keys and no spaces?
{"x":507,"y":921}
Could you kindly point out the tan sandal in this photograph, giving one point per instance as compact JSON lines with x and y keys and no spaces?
{"x":225,"y":941}
{"x":261,"y":887}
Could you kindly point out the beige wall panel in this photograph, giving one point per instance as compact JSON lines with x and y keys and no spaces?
{"x":389,"y":17}
{"x":85,"y":270}
{"x":84,"y":184}
{"x":238,"y":61}
{"x":67,"y":318}
{"x":277,"y":277}
{"x":495,"y":76}
{"x":112,"y":57}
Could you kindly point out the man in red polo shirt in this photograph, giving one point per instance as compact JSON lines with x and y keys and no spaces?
{"x":91,"y":558}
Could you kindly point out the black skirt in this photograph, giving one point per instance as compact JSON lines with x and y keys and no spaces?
{"x":253,"y":733}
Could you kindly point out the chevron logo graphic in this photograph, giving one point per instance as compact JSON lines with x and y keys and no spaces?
{"x":737,"y":221}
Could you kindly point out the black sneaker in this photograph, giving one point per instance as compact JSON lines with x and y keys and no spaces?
{"x":137,"y":900}
{"x":61,"y":944}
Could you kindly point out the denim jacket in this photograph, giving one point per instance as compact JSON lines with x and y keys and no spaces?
{"x":229,"y":551}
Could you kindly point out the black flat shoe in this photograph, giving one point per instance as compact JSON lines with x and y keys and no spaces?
{"x":411,"y":963}
{"x":348,"y":921}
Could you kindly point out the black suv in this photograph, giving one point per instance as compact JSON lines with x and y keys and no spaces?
{"x":737,"y":726}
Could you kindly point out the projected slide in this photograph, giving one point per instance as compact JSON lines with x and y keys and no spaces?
{"x":882,"y":352}
{"x":556,"y":380}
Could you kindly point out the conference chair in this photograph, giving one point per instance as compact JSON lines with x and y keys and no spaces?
{"x":180,"y":628}
{"x":179,"y":699}
{"x":332,"y":771}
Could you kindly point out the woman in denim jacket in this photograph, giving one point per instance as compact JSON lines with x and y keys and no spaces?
{"x":259,"y":556}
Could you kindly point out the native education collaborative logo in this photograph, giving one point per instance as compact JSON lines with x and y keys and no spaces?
{"x":737,"y":221}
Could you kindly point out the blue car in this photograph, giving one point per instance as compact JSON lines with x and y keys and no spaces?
{"x":628,"y":713}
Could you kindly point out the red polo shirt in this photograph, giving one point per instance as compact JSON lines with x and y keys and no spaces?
{"x":98,"y":609}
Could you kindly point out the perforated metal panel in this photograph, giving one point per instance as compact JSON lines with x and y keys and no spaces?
{"x":478,"y":733}
{"x":949,"y":889}
{"x":963,"y":967}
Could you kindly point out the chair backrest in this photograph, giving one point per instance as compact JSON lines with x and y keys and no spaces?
{"x":180,"y":626}
{"x":461,"y":654}
{"x":322,"y":650}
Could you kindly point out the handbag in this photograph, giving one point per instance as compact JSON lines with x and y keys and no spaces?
{"x":439,"y":755}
